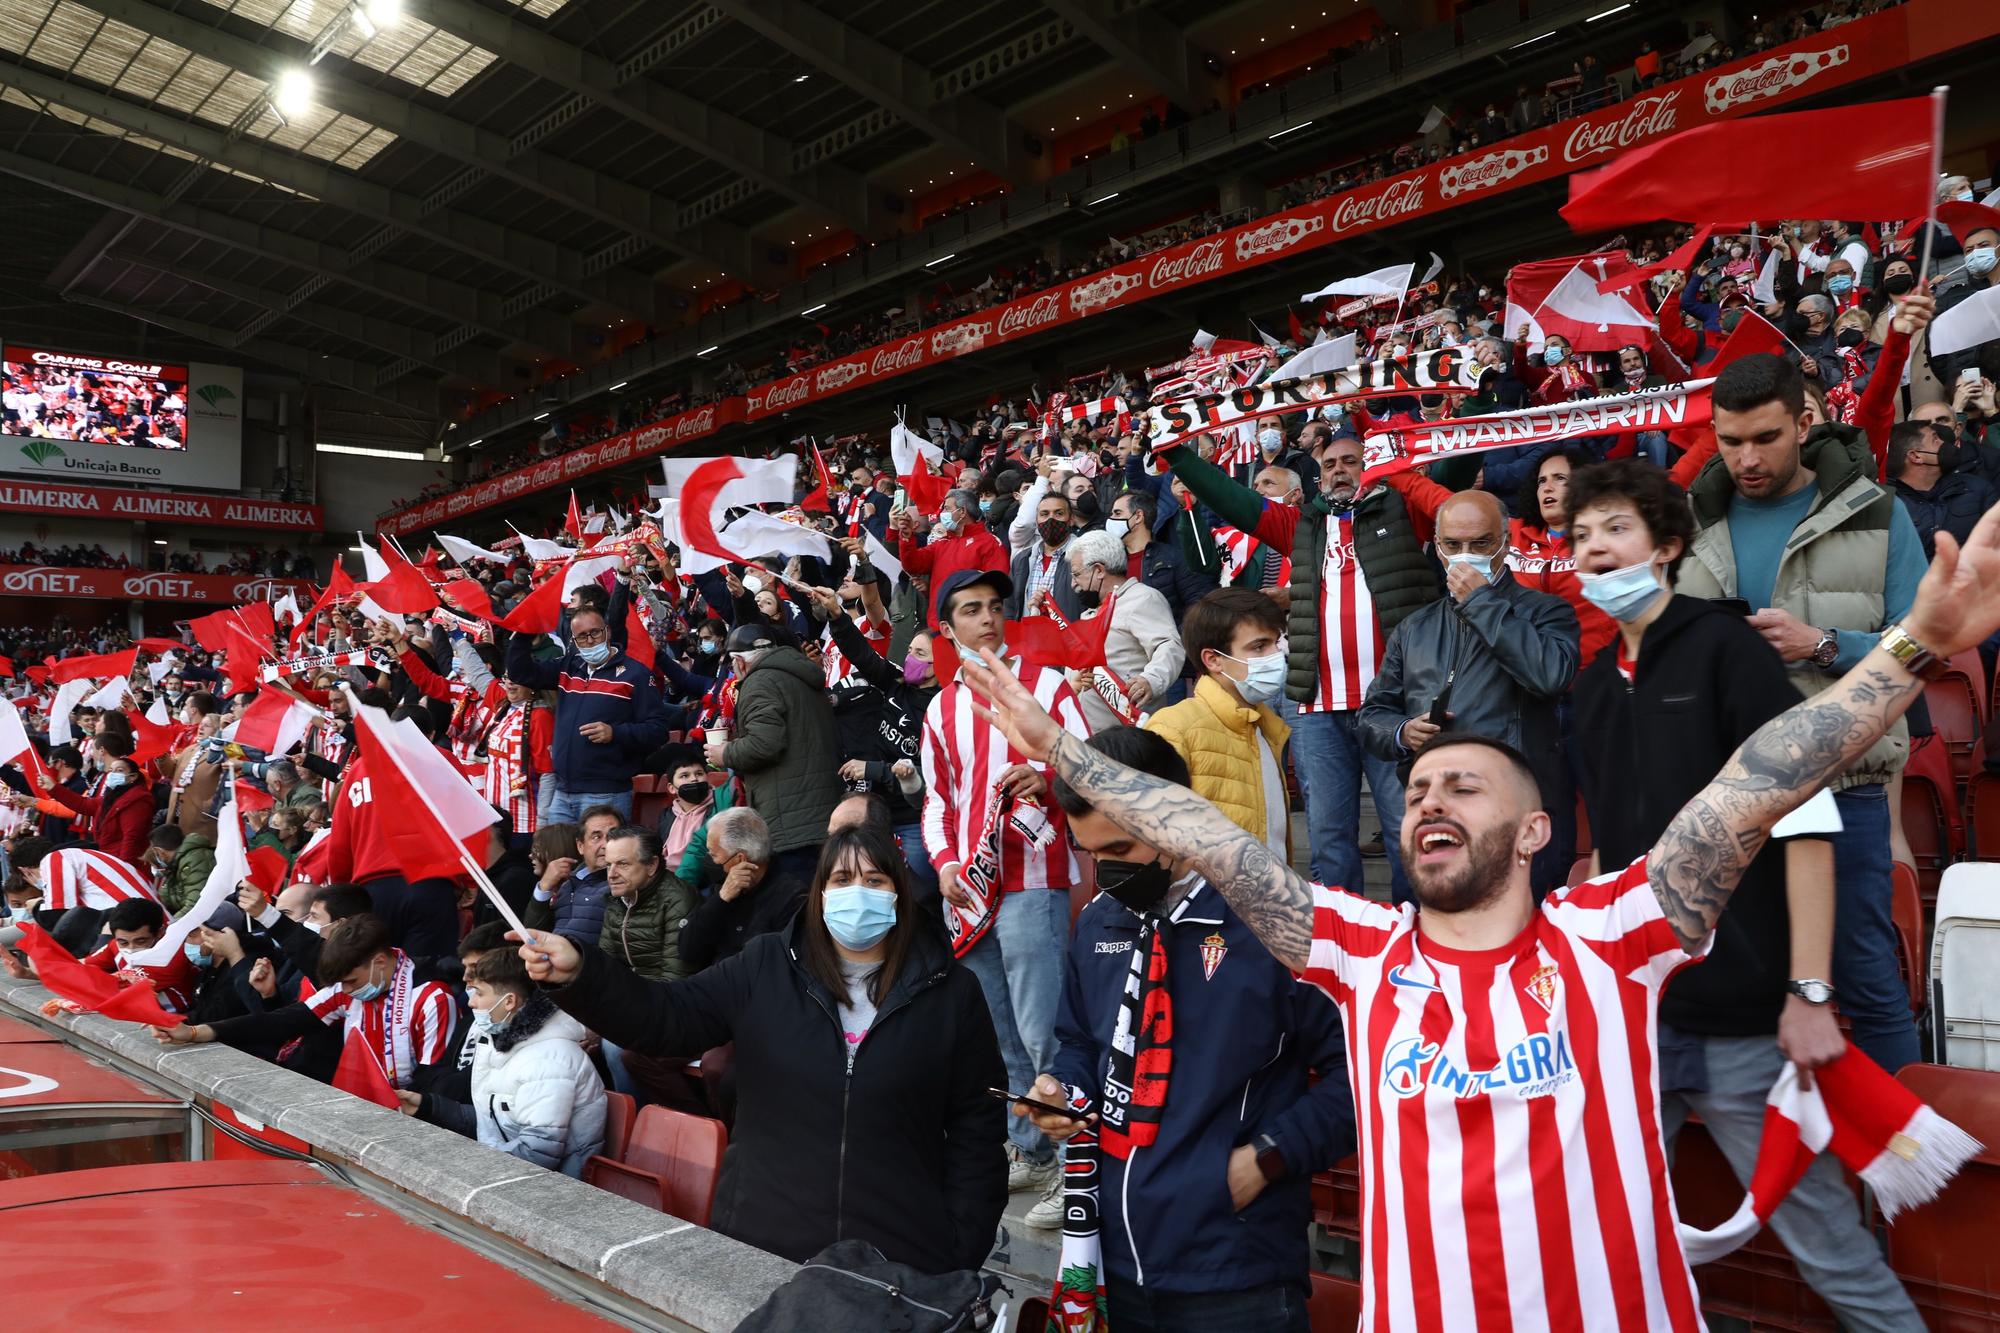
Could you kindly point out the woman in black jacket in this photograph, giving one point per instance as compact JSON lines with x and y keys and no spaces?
{"x":863,"y":1056}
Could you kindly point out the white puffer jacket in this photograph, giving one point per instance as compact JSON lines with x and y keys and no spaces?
{"x":536,"y":1093}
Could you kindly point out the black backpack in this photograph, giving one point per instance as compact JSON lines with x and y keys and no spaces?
{"x":848,"y":1287}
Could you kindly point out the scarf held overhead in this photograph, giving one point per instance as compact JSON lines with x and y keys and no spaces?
{"x":1445,"y":370}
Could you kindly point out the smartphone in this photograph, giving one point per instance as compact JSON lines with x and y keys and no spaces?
{"x":1970,"y":375}
{"x":1441,"y":706}
{"x":1046,"y":1108}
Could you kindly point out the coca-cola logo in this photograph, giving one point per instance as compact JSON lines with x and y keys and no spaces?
{"x":956,"y":338}
{"x":40,"y":580}
{"x":1044,"y":309}
{"x":616,"y":450}
{"x":1101,"y":292}
{"x":253,"y":590}
{"x":1643,"y":119}
{"x":1274,"y":237}
{"x":695,"y":424}
{"x":1397,"y":198}
{"x":1199,"y":262}
{"x":907,"y":355}
{"x":838,"y":376}
{"x":1770,"y":77}
{"x":789,"y":394}
{"x":160,"y":585}
{"x":1483,"y":173}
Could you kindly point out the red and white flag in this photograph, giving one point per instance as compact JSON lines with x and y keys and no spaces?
{"x":706,"y":489}
{"x":15,"y":747}
{"x":441,"y":822}
{"x":232,"y":867}
{"x":274,"y":723}
{"x":1561,"y":297}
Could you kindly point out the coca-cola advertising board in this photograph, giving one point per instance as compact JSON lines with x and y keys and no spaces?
{"x":222,"y":511}
{"x":137,"y":585}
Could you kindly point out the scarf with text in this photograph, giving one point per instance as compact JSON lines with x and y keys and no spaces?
{"x":1142,"y":1053}
{"x":1445,"y":370}
{"x":1078,"y":1304}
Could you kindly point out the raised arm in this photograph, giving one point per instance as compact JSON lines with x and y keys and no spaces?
{"x":1696,"y":864}
{"x":1270,"y":897}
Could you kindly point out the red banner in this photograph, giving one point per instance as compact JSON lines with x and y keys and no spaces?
{"x":565,"y":468}
{"x":138,"y":585}
{"x":33,"y":497}
{"x":1814,"y":65}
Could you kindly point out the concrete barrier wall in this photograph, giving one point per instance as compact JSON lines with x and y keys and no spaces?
{"x":692,"y":1277}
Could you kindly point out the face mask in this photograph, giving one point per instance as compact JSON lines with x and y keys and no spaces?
{"x":1622,"y":593}
{"x":1331,"y":412}
{"x":197,"y":955}
{"x":1090,"y":598}
{"x":596,"y":654}
{"x":948,"y":521}
{"x":1947,"y":457}
{"x":1117,"y":527}
{"x":485,"y":1024}
{"x":1553,"y":356}
{"x":1899,"y":284}
{"x":857,"y":916}
{"x":1086,"y":506}
{"x":1485,"y":565}
{"x":914,"y":669}
{"x":694,"y":793}
{"x":1840,"y":284}
{"x":1264,"y":681}
{"x":1270,"y":440}
{"x":1736,"y":252}
{"x":1850,"y":337}
{"x":312,"y":925}
{"x":1979,"y":261}
{"x":710,"y":647}
{"x":1448,"y":340}
{"x":1054,"y":532}
{"x":985,"y":506}
{"x":1635,"y":376}
{"x":113,"y":781}
{"x":372,"y":991}
{"x":1963,"y":196}
{"x":1139,"y":885}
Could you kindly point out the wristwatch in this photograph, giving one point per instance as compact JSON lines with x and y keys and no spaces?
{"x":1812,"y":990}
{"x":1270,"y":1161}
{"x":1919,"y":660}
{"x":1826,"y":650}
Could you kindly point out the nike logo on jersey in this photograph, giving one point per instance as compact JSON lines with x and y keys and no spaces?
{"x":1397,"y":977}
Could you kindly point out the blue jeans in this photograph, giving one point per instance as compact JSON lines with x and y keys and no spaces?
{"x":567,"y":807}
{"x":1873,"y":997}
{"x":1019,"y":963}
{"x":1276,"y":1308}
{"x":923,"y":875}
{"x":1329,"y":759}
{"x":1651,"y":445}
{"x":621,"y":1078}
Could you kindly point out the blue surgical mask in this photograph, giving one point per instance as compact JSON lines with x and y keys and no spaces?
{"x":1963,"y":196}
{"x":372,"y":991}
{"x":710,"y":647}
{"x":1979,"y":260}
{"x":1840,"y":284}
{"x":986,"y":505}
{"x":1622,"y":593}
{"x":596,"y":654}
{"x":113,"y":781}
{"x":1269,"y":440}
{"x":1265,"y":679}
{"x":485,"y":1024}
{"x":1553,"y":356}
{"x":857,"y":916}
{"x":1487,"y":566}
{"x":197,"y":955}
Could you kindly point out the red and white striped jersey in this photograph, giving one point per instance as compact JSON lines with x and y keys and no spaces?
{"x":1238,"y":547}
{"x":173,"y":981}
{"x":835,"y":663}
{"x":409,"y":1024}
{"x":508,"y":771}
{"x":964,"y":755}
{"x":77,"y":877}
{"x":1350,"y":633}
{"x":1513,"y":1171}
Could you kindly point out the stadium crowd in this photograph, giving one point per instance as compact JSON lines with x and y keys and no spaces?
{"x":1038,"y":768}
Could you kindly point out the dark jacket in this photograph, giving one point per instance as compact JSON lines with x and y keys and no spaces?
{"x":620,"y":692}
{"x":786,"y":747}
{"x":905,"y":1151}
{"x":645,"y":934}
{"x":1163,"y":568}
{"x":1703,"y":682}
{"x":1509,"y":653}
{"x":717,"y":930}
{"x":1954,"y":505}
{"x":882,"y":723}
{"x":1246,"y":1035}
{"x":577,"y":910}
{"x":1061,"y":583}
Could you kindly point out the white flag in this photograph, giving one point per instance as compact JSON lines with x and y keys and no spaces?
{"x":1973,"y":321}
{"x":1391,"y":281}
{"x":905,"y":445}
{"x":232,"y":867}
{"x":67,"y":697}
{"x":1765,"y":289}
{"x":464,"y":551}
{"x":1335,"y":354}
{"x":878,"y":556}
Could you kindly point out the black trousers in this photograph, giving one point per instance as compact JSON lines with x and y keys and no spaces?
{"x":422,"y":917}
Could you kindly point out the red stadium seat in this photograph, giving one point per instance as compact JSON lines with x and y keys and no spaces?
{"x":1336,"y":1198}
{"x":649,"y":801}
{"x":671,"y":1163}
{"x":1973,"y":668}
{"x":1906,"y":910}
{"x":620,"y":1110}
{"x":1953,"y":700}
{"x":1943,"y":1251}
{"x":1983,"y":817}
{"x":1335,"y":1304}
{"x":1758,"y":1284}
{"x":1929,"y":810}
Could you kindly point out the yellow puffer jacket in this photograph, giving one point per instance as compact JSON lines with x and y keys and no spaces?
{"x":1217,"y":735}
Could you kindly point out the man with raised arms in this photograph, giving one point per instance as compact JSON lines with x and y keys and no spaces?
{"x":1503,"y":1054}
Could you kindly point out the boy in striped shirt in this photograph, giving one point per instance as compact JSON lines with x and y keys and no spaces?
{"x":1503,"y":1055}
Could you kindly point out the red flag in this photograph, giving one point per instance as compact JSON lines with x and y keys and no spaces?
{"x":406,"y":591}
{"x":242,"y":658}
{"x":440,"y":819}
{"x":274,"y":722}
{"x":39,"y":675}
{"x":1752,"y":334}
{"x":573,"y":520}
{"x":540,"y":612}
{"x":638,"y":639}
{"x":251,"y":797}
{"x":820,"y":496}
{"x":100,"y":666}
{"x":89,"y":989}
{"x":161,"y":647}
{"x":469,"y":596}
{"x":1869,"y":163}
{"x":268,"y":865}
{"x":360,"y":1072}
{"x":150,"y":740}
{"x":337,"y":587}
{"x":926,"y":489}
{"x":1680,"y":261}
{"x":1299,"y":339}
{"x":257,"y":622}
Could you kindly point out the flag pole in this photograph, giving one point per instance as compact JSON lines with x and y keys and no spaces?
{"x":1937,"y":170}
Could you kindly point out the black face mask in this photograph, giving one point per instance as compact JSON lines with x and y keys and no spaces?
{"x":1139,"y":885}
{"x":1947,"y":457}
{"x":1899,"y":284}
{"x":1851,"y":338}
{"x":1054,"y":531}
{"x":1090,"y":598}
{"x":694,"y":793}
{"x":1086,"y":506}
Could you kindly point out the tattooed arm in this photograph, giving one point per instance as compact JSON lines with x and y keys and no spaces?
{"x":1268,"y":894}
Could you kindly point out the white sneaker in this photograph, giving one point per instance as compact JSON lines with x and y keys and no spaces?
{"x":1023,"y":1174}
{"x":1047,"y":1213}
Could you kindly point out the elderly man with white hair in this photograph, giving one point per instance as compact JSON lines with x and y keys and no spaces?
{"x":1143,"y":646}
{"x":758,"y":892}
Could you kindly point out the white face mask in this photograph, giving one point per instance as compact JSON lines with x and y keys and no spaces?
{"x":1487,"y":566}
{"x":1117,"y":527}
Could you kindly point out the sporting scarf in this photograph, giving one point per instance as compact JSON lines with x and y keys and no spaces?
{"x":1078,"y":1304}
{"x":1449,"y":370}
{"x":1903,"y":1150}
{"x":1142,"y":1054}
{"x":306,"y":666}
{"x":1842,"y":402}
{"x":980,"y":878}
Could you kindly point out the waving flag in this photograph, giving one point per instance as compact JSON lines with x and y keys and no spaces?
{"x":94,"y":666}
{"x":360,"y":1072}
{"x":88,"y":989}
{"x":274,"y":722}
{"x":465,"y":552}
{"x":441,"y":826}
{"x":232,"y":867}
{"x":540,"y":612}
{"x":906,"y":447}
{"x":16,"y":748}
{"x":1562,"y":297}
{"x":708,"y":488}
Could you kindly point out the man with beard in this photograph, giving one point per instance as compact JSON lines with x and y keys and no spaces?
{"x":1503,"y":1055}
